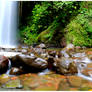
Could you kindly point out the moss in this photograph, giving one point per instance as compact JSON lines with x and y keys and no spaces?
{"x":79,"y":30}
{"x":43,"y":36}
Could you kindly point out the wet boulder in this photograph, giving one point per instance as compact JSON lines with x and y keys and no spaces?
{"x":40,"y":63}
{"x":19,"y":60}
{"x":29,"y":63}
{"x":3,"y":64}
{"x":65,"y":66}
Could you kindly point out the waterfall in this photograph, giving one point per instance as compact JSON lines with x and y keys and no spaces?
{"x":8,"y":23}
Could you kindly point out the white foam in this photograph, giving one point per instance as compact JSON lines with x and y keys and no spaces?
{"x":44,"y":72}
{"x":9,"y":54}
{"x":86,"y":60}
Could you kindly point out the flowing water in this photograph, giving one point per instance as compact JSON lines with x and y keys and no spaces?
{"x":9,"y":68}
{"x":80,"y":68}
{"x":85,"y":77}
{"x":8,"y":23}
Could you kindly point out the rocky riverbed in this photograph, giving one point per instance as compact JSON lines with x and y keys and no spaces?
{"x":45,"y":69}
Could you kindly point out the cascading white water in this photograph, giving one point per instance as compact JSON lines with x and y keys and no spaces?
{"x":8,"y":23}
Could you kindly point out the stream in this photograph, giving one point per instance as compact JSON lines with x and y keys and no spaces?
{"x":73,"y":68}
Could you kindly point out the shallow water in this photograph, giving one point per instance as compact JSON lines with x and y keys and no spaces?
{"x":85,"y":77}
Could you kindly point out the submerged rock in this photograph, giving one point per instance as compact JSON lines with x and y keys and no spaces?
{"x":4,"y":78}
{"x":13,"y":84}
{"x":3,"y":64}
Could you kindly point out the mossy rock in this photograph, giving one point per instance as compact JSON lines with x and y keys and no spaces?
{"x":43,"y":36}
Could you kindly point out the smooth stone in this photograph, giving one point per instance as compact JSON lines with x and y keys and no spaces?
{"x":29,"y":63}
{"x":4,"y":61}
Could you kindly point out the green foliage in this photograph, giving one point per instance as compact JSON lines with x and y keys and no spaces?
{"x":46,"y":36}
{"x":65,"y":13}
{"x":51,"y":16}
{"x":28,"y":37}
{"x":39,"y":12}
{"x":46,"y":12}
{"x":79,"y":30}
